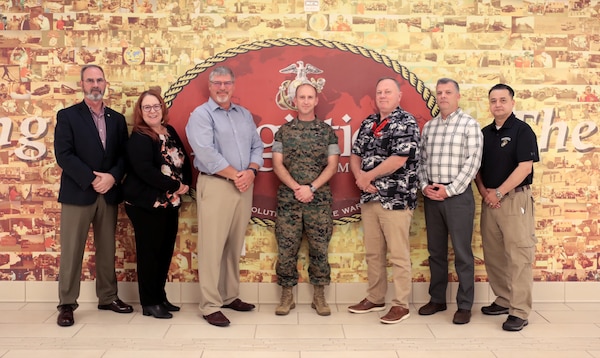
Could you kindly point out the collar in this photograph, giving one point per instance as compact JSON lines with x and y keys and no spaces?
{"x":213,"y":106}
{"x":451,"y":116}
{"x":297,"y":120}
{"x":510,"y":121}
{"x":393,"y":114}
{"x":102,"y":108}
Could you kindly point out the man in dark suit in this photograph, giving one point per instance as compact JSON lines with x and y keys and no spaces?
{"x":89,"y":142}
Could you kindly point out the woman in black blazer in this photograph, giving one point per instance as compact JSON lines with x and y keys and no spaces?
{"x":159,"y":173}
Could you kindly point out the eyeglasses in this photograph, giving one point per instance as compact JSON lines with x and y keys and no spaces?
{"x":222,"y":83}
{"x":92,"y":81}
{"x":155,"y":107}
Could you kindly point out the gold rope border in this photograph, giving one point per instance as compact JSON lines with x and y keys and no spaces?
{"x":414,"y":81}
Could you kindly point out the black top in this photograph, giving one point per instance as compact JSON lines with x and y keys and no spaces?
{"x":79,"y":152}
{"x":505,"y":148}
{"x":155,"y":170}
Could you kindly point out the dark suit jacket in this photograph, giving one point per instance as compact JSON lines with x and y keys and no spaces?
{"x":145,"y":180}
{"x":79,"y":152}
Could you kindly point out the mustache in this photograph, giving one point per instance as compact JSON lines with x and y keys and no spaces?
{"x":94,"y":96}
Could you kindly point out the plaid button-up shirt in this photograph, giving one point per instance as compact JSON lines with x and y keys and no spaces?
{"x":451,"y":152}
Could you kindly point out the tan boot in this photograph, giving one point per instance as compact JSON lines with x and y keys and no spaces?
{"x":319,"y":302}
{"x":287,"y":302}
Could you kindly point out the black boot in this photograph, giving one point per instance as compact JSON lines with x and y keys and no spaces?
{"x":170,"y":307}
{"x":158,"y":311}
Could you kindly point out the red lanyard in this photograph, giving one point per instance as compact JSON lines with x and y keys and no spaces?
{"x":378,"y":128}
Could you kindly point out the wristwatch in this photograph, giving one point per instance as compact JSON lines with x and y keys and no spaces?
{"x":253,"y":170}
{"x":312,"y":188}
{"x":499,"y":194}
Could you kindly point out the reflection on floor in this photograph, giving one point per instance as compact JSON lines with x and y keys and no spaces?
{"x":555,"y":330}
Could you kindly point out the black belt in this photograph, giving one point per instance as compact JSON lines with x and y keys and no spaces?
{"x":522,"y":188}
{"x":519,"y":189}
{"x":431,"y":183}
{"x":216,"y":176}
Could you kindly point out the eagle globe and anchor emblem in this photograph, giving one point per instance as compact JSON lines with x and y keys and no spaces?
{"x":287,"y":89}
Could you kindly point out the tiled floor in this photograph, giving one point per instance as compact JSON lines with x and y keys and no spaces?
{"x":555,"y":330}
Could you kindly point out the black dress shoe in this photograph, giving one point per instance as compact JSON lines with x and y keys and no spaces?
{"x":431,"y":308}
{"x":117,"y":306}
{"x":158,"y":311}
{"x":65,"y":316}
{"x":170,"y":307}
{"x":494,"y":309}
{"x":239,"y":305}
{"x":217,"y":319}
{"x":514,"y":323}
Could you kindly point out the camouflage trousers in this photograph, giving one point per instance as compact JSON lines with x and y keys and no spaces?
{"x":296,"y":220}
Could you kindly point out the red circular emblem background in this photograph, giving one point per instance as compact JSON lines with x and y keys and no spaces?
{"x":346,"y":99}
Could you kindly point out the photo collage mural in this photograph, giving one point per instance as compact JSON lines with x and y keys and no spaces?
{"x":548,"y":51}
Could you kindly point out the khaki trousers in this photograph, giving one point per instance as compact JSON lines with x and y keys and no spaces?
{"x":508,"y":237}
{"x":223,"y":217}
{"x":385,"y":229}
{"x":75,"y":223}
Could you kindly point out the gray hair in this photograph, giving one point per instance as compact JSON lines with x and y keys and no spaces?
{"x":389,"y":78}
{"x":220,"y":71}
{"x":443,"y":81}
{"x":84,"y":68}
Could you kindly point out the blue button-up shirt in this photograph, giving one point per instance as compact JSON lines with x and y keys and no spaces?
{"x":220,"y":138}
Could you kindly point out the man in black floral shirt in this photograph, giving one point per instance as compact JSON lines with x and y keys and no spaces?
{"x":384,"y":162}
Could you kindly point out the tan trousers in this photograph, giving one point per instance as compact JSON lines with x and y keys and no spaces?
{"x":385,"y":229}
{"x":508,"y":237}
{"x":223,"y":216}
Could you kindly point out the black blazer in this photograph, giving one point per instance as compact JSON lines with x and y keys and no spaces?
{"x":79,"y":152}
{"x":145,"y":181}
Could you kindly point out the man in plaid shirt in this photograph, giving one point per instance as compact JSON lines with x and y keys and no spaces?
{"x":451,"y":149}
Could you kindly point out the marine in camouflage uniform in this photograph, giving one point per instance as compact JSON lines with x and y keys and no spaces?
{"x":305,"y":157}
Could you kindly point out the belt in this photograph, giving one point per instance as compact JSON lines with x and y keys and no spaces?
{"x":519,"y":189}
{"x":522,"y":188}
{"x":431,"y":183}
{"x":216,"y":176}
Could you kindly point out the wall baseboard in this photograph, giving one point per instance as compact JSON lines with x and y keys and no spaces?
{"x":268,"y":293}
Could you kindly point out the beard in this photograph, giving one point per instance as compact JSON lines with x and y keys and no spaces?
{"x":222,"y":98}
{"x":95,"y":94}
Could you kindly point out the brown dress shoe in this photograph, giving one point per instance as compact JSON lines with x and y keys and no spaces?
{"x":365,"y":306}
{"x":65,"y":316}
{"x":462,"y":316}
{"x":217,"y":319}
{"x":395,"y":315}
{"x":431,"y":308}
{"x":239,"y":305}
{"x":117,"y":306}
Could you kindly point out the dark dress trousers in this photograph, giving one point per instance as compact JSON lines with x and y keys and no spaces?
{"x":155,"y":227}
